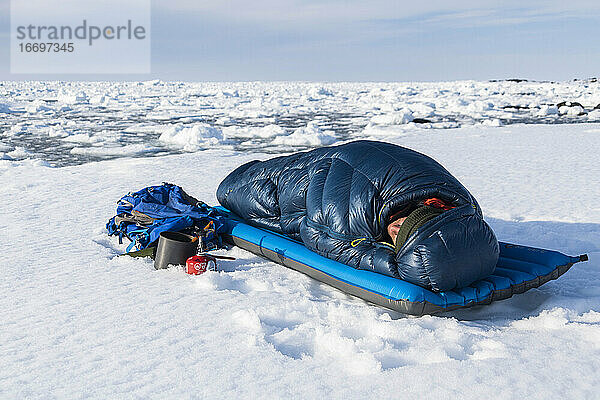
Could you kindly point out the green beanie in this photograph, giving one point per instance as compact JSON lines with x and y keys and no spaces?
{"x":415,"y":220}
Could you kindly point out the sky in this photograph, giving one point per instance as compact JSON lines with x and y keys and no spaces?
{"x":355,"y":40}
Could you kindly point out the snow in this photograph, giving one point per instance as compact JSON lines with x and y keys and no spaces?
{"x":268,"y":131}
{"x":548,"y":110}
{"x":18,"y":152}
{"x":192,"y":138}
{"x":5,"y":108}
{"x":128,"y":150}
{"x":4,"y":147}
{"x":79,"y":321}
{"x":571,"y":111}
{"x":396,"y":118}
{"x":263,"y":116}
{"x":72,"y":97}
{"x":310,"y":135}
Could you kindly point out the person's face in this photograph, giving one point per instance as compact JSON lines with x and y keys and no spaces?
{"x":394,"y":227}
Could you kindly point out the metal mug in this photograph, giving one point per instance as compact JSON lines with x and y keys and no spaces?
{"x":174,"y":248}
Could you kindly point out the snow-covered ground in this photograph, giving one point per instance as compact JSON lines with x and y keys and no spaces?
{"x":80,"y":322}
{"x":67,"y":123}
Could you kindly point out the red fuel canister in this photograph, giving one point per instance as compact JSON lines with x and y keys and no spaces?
{"x":199,"y":264}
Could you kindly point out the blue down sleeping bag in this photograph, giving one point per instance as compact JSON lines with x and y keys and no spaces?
{"x":519,"y":269}
{"x":338,"y":200}
{"x":325,"y":213}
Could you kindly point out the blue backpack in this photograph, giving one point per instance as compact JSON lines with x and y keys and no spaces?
{"x":143,"y":215}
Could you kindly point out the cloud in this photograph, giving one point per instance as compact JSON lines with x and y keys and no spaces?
{"x":503,"y":17}
{"x":302,"y":24}
{"x":286,"y":12}
{"x":290,"y":13}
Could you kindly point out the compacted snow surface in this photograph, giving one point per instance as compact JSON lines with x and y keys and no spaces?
{"x":80,"y":322}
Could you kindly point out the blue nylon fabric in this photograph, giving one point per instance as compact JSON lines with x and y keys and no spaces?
{"x":169,"y":206}
{"x":516,"y":265}
{"x":337,"y":201}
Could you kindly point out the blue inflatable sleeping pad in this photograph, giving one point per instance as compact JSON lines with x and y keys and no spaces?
{"x":519,"y":269}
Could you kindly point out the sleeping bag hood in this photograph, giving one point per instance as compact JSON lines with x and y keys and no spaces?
{"x":337,"y":201}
